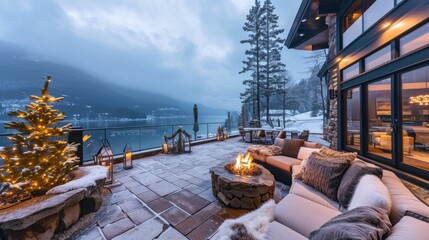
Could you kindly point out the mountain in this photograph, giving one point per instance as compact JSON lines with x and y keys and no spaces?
{"x":84,"y":95}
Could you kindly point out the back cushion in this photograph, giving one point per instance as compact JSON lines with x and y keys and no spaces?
{"x":371,"y":192}
{"x":324,"y":175}
{"x":304,"y":152}
{"x":311,"y":144}
{"x":291,"y":147}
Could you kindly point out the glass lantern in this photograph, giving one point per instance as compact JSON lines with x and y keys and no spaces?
{"x":128,"y":157}
{"x":104,"y":157}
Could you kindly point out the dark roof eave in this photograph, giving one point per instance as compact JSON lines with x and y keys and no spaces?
{"x":298,"y":18}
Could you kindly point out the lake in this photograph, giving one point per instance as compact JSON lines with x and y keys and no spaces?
{"x":141,"y":134}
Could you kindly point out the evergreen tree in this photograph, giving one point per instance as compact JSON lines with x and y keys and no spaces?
{"x":272,"y":46}
{"x":39,"y":158}
{"x":252,"y":64}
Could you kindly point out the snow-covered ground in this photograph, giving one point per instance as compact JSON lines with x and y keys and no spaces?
{"x":302,"y":121}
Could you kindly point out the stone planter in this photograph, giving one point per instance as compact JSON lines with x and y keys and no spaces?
{"x":246,"y":192}
{"x":61,"y":207}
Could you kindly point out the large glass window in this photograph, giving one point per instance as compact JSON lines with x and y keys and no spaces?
{"x":415,"y":117}
{"x":351,"y":71}
{"x":416,"y":39}
{"x":381,"y":56}
{"x":379,"y":118}
{"x":352,"y":23}
{"x":353,"y":118}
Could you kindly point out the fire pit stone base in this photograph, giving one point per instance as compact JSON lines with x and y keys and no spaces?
{"x":246,"y":192}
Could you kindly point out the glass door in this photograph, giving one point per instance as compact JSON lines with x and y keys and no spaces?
{"x":415,"y":118}
{"x":379,"y":119}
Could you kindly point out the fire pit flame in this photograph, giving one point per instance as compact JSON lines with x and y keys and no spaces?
{"x":243,"y":165}
{"x":243,"y":161}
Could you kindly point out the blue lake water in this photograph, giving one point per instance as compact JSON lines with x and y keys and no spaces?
{"x":141,"y":134}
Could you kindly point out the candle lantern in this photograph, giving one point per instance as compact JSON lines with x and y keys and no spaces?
{"x":104,"y":157}
{"x":128,"y":157}
{"x":165,"y":147}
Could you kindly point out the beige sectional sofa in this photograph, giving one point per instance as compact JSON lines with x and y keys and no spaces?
{"x":305,"y":209}
{"x":279,"y":165}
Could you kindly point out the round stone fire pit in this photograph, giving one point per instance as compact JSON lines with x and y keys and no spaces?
{"x":246,"y":192}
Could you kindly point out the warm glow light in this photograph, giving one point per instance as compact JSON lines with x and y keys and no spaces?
{"x":386,"y":25}
{"x":420,"y":99}
{"x":339,"y":59}
{"x":317,"y":18}
{"x":86,"y":137}
{"x":128,"y":156}
{"x":242,"y":161}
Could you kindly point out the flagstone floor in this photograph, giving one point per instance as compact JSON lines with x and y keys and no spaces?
{"x":170,"y":196}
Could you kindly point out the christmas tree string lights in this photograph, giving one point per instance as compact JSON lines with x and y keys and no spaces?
{"x":39,"y":158}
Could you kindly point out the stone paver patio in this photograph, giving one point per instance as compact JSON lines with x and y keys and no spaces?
{"x":169,"y":196}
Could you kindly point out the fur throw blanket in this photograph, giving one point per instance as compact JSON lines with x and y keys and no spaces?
{"x":251,"y":226}
{"x":266,"y":151}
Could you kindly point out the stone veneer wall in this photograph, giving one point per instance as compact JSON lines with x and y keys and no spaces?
{"x":332,"y":128}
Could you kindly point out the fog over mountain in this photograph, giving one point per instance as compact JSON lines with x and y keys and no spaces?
{"x":21,"y":75}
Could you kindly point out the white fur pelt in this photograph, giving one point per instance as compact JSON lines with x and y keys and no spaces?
{"x":253,"y":225}
{"x":371,"y":191}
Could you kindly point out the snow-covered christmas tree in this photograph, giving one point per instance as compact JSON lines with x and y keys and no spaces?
{"x":39,"y":158}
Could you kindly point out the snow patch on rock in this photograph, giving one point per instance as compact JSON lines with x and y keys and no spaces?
{"x":84,"y":177}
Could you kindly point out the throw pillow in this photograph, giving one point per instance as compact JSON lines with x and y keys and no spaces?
{"x":304,"y":152}
{"x":351,"y":178}
{"x":370,"y":191}
{"x":291,"y":147}
{"x":332,"y":153}
{"x":324,"y":174}
{"x":359,"y":223}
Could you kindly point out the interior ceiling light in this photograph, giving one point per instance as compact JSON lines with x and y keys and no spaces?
{"x":421,"y":99}
{"x":304,"y":20}
{"x":301,"y":34}
{"x":317,"y":18}
{"x":386,"y":25}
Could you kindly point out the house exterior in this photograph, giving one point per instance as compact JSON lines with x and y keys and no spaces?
{"x":378,"y":74}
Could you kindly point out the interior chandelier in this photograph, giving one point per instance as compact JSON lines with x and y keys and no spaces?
{"x":420,"y":99}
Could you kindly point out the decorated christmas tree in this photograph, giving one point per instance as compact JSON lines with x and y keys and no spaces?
{"x":39,"y":158}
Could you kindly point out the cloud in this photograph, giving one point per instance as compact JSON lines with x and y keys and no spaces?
{"x":169,"y":26}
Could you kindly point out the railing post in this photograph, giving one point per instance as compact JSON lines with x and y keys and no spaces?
{"x":207,"y":131}
{"x":140,"y":138}
{"x":76,"y":136}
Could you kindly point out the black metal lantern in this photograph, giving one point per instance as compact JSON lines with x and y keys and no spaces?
{"x":128,"y":156}
{"x":104,"y":157}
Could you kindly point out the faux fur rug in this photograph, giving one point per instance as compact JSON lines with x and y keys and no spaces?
{"x":251,"y":226}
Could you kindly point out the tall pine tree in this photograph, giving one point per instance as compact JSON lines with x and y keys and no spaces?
{"x":252,"y":64}
{"x":272,"y":46}
{"x":39,"y":158}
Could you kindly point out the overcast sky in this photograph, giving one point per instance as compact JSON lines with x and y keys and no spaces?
{"x":165,"y":46}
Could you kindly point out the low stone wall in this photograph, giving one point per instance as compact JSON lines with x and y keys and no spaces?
{"x":246,"y":192}
{"x":41,"y":217}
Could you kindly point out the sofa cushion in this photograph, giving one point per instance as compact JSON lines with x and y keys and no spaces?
{"x":324,"y":174}
{"x":370,"y":191}
{"x":291,"y":147}
{"x":278,"y":231}
{"x":332,"y":153}
{"x":304,"y":152}
{"x":360,"y":223}
{"x":305,"y":191}
{"x":283,"y":162}
{"x":311,"y":144}
{"x":351,"y":177}
{"x":409,"y":228}
{"x":402,"y":199}
{"x":302,"y":215}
